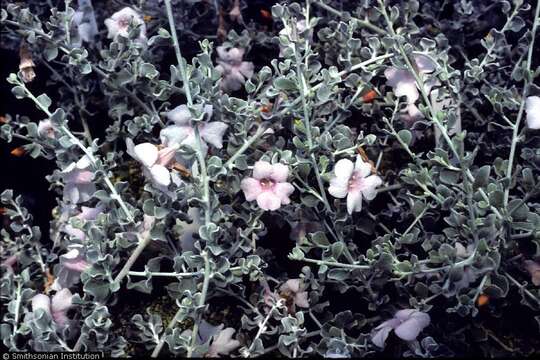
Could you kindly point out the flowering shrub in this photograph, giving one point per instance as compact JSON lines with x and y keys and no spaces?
{"x":325,"y":177}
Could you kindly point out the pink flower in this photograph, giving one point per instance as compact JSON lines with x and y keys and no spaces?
{"x":46,"y":129}
{"x":354,"y":181}
{"x":72,"y":264}
{"x":406,"y":323}
{"x":154,"y":161}
{"x":223,"y":343}
{"x":534,"y":269}
{"x":118,"y":24}
{"x":268,"y":185}
{"x":79,"y":185}
{"x":183,"y":130}
{"x":404,"y":83}
{"x":57,"y":307}
{"x":293,"y":288}
{"x":233,"y":70}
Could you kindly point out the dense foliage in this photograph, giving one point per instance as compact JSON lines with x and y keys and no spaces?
{"x":335,"y":178}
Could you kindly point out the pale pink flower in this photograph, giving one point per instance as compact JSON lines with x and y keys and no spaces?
{"x":221,"y":340}
{"x":233,"y":70}
{"x":406,"y":323}
{"x":268,"y":185}
{"x":46,"y":129}
{"x":293,"y":288}
{"x":183,"y":130}
{"x":118,"y":24}
{"x":534,"y":269}
{"x":354,"y":181}
{"x":235,"y":14}
{"x":71,"y":265}
{"x":90,"y":213}
{"x":223,"y":343}
{"x":154,"y":161}
{"x":79,"y":185}
{"x":532,"y":107}
{"x":56,"y":307}
{"x":404,"y":83}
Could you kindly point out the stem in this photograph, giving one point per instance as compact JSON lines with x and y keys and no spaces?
{"x":436,"y":121}
{"x":86,"y":151}
{"x":515,"y":132}
{"x":187,"y":91}
{"x":262,"y":326}
{"x":201,"y":303}
{"x":304,"y":90}
{"x":174,"y":320}
{"x":143,"y":243}
{"x":260,"y":131}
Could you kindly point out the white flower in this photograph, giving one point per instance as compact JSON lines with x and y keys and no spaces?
{"x":354,"y":182}
{"x":532,"y":107}
{"x":183,"y":130}
{"x":154,"y":161}
{"x":223,"y":343}
{"x":118,"y":23}
{"x":56,"y":307}
{"x":233,"y":70}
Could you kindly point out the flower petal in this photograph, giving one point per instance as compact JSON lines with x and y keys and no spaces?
{"x":339,"y":187}
{"x":280,"y":172}
{"x":213,"y":132}
{"x":354,"y":201}
{"x":344,"y":169}
{"x":267,"y":200}
{"x":180,"y":115}
{"x":532,"y":107}
{"x":291,"y":285}
{"x":262,"y":170}
{"x":369,"y":186}
{"x":282,"y":191}
{"x":160,"y":175}
{"x":146,"y":153}
{"x":378,"y":337}
{"x":61,"y":301}
{"x":409,"y":329}
{"x":251,"y":188}
{"x":362,"y":168}
{"x":301,"y":299}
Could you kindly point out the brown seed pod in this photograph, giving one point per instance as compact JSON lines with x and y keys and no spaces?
{"x":26,"y":65}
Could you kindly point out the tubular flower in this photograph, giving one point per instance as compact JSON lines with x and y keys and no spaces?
{"x":56,"y":307}
{"x":532,"y":107}
{"x":233,"y":70}
{"x":406,"y":323}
